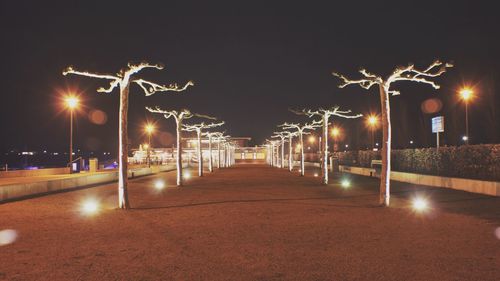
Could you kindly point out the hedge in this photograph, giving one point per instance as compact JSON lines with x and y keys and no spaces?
{"x":468,"y":161}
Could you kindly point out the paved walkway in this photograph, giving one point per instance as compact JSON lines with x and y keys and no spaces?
{"x":252,"y":222}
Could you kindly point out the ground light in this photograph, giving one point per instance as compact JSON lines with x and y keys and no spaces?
{"x":420,"y":204}
{"x":159,"y":185}
{"x":90,"y":207}
{"x":187,"y":175}
{"x":7,"y":236}
{"x":345,"y":183}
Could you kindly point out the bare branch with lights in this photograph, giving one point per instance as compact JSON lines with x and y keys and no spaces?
{"x":406,"y":73}
{"x":325,"y":115}
{"x":122,"y":81}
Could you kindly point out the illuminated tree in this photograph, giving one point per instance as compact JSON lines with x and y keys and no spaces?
{"x":301,"y":130}
{"x":403,"y":73}
{"x":290,"y":149}
{"x":179,"y":117}
{"x":122,"y":80}
{"x":198,"y":129}
{"x":211,"y":135}
{"x":325,"y":115}
{"x":284,"y":137}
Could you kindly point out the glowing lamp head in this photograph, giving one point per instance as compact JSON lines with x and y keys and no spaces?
{"x":420,"y":204}
{"x":71,"y":102}
{"x":316,"y":175}
{"x":372,"y":120}
{"x":145,"y":146}
{"x":335,"y":132}
{"x":345,"y":183}
{"x":465,"y":138}
{"x":149,"y":128}
{"x":90,"y":207}
{"x":312,"y":139}
{"x":187,"y":175}
{"x":466,"y":94}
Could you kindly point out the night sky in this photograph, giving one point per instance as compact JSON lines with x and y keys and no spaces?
{"x":250,"y":60}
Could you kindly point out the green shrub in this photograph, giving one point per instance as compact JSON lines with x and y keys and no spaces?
{"x":472,"y":161}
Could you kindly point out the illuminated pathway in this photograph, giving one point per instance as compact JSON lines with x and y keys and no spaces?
{"x":250,"y":223}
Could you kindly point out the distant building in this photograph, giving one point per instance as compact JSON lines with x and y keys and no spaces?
{"x":243,"y":153}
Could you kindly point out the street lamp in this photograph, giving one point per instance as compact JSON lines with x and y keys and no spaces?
{"x":149,"y":128}
{"x":71,"y":103}
{"x":372,"y":122}
{"x":335,"y":135}
{"x":466,"y":94}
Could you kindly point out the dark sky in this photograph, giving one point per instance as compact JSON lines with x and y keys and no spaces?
{"x":250,"y":60}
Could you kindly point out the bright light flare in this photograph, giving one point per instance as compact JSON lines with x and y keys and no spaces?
{"x":335,"y":132}
{"x":316,"y":175}
{"x":149,"y":128}
{"x":159,"y":185}
{"x":187,"y":175}
{"x":90,"y":207}
{"x":7,"y":236}
{"x":466,"y":94}
{"x":71,"y":102}
{"x":420,"y":204}
{"x":372,"y":120}
{"x":312,"y":139}
{"x":345,"y":183}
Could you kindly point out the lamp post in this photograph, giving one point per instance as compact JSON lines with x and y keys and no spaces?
{"x":335,"y":134}
{"x":372,"y":123}
{"x":149,"y":128}
{"x":71,"y":104}
{"x":466,"y":95}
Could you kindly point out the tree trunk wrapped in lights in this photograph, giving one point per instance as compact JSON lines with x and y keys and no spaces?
{"x":301,"y":130}
{"x":325,"y":115}
{"x":403,"y":73}
{"x":284,"y":136}
{"x":179,"y":117}
{"x":122,"y":80}
{"x":198,"y":129}
{"x":210,"y":136}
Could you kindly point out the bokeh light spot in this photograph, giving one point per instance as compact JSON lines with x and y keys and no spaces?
{"x":98,"y":117}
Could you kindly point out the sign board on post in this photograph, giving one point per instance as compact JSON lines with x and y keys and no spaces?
{"x":438,"y":124}
{"x":437,"y":127}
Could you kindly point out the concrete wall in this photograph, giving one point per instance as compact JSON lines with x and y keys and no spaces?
{"x":15,"y":191}
{"x":475,"y":186}
{"x":34,"y":173}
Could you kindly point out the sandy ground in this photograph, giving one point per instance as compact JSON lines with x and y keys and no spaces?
{"x":253,"y":222}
